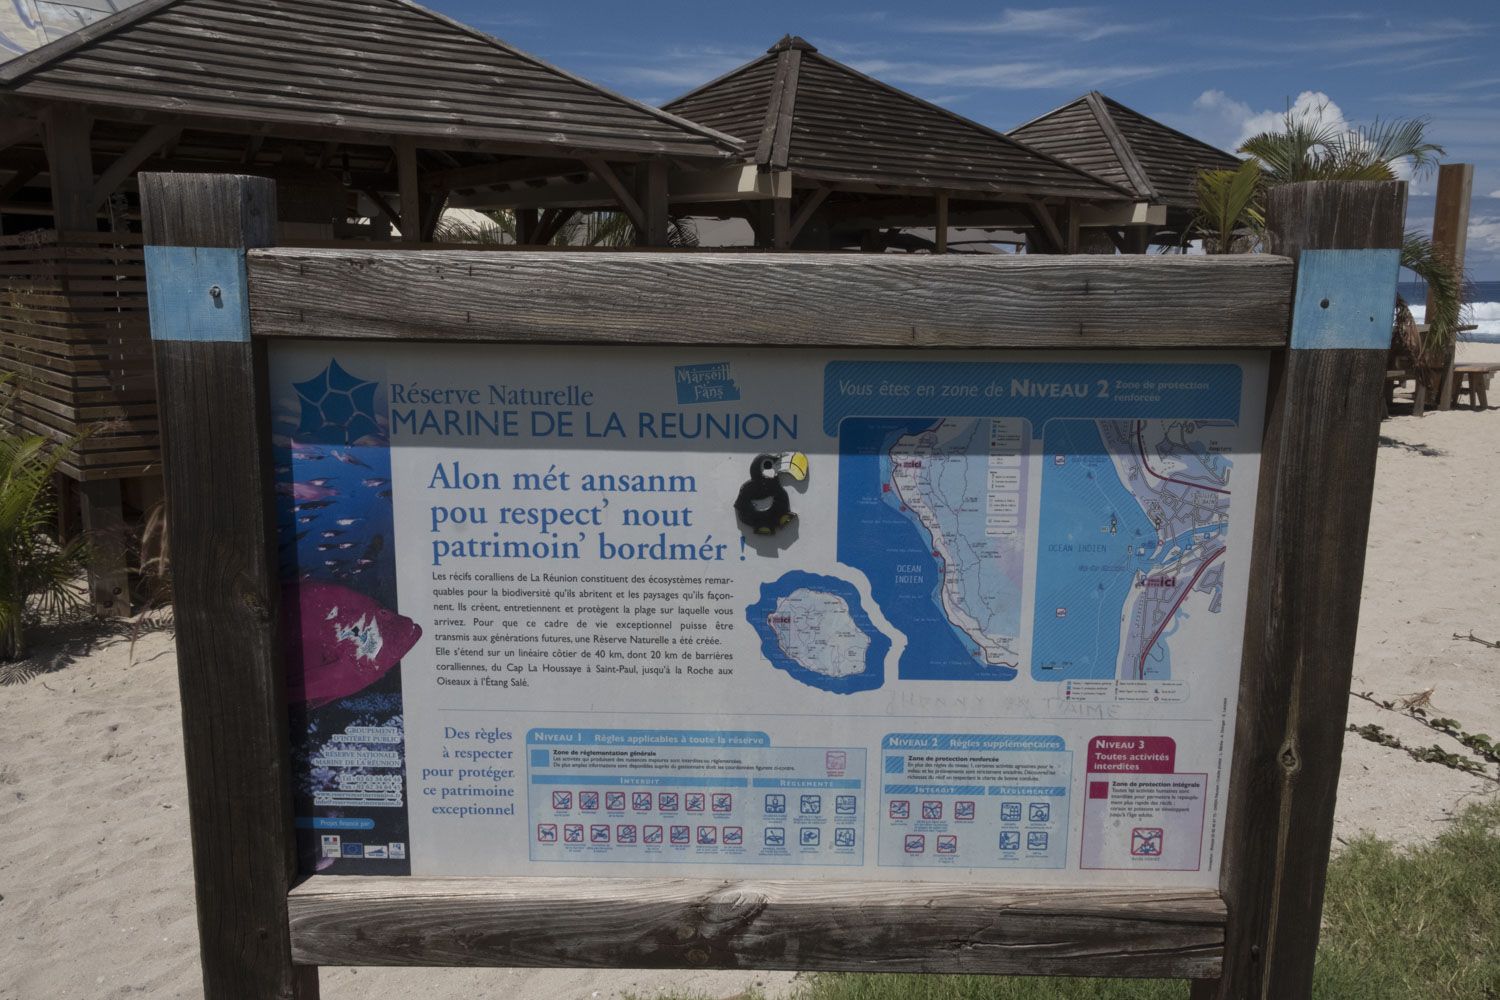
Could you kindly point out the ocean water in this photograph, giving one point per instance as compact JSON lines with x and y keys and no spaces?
{"x":1482,"y":308}
{"x":1097,"y":540}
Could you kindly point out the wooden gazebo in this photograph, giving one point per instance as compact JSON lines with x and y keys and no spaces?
{"x":835,"y":159}
{"x":357,"y":108}
{"x":1156,"y":163}
{"x":850,"y":156}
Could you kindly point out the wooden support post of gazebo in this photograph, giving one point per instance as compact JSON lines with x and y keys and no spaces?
{"x":66,"y":138}
{"x":411,"y":199}
{"x":1450,"y":236}
{"x":651,"y":195}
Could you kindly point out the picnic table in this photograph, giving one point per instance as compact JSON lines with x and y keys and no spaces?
{"x":1470,"y":377}
{"x":1474,"y":378}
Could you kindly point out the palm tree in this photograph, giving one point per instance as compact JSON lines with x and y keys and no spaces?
{"x":37,"y":575}
{"x":1306,"y":149}
{"x":1230,"y":216}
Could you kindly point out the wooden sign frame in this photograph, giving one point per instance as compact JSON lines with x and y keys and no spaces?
{"x":1322,"y":307}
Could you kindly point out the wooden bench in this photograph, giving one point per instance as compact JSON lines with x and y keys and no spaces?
{"x":1474,"y":378}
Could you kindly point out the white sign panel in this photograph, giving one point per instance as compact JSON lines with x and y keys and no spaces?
{"x":956,"y":616}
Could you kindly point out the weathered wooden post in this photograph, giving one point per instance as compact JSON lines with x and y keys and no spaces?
{"x":70,"y":167}
{"x":1322,"y":431}
{"x":651,"y":195}
{"x":1450,"y":236}
{"x":215,"y":448}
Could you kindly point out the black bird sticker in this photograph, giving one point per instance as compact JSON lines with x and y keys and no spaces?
{"x":763,"y":504}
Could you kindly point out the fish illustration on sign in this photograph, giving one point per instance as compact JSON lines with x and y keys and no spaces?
{"x":312,"y":490}
{"x":348,"y":640}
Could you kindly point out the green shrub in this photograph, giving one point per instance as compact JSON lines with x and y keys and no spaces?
{"x":37,"y":575}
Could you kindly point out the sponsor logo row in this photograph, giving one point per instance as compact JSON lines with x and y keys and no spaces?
{"x":335,"y":846}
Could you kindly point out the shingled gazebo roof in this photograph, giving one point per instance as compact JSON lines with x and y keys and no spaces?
{"x":1104,"y":137}
{"x":359,"y":70}
{"x":800,"y":111}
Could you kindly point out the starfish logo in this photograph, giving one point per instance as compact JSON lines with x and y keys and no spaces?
{"x":337,"y":408}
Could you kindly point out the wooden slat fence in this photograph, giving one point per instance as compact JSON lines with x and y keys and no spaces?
{"x":74,"y":329}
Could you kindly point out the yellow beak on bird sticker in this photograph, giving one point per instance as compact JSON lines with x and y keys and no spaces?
{"x":794,"y":464}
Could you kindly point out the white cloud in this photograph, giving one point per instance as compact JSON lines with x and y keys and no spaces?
{"x":1226,"y":122}
{"x":1009,"y":75}
{"x":1223,"y":121}
{"x":1386,"y":37}
{"x":683,"y":68}
{"x":1077,"y":23}
{"x":1495,"y":193}
{"x":1312,"y":107}
{"x":1484,"y":234}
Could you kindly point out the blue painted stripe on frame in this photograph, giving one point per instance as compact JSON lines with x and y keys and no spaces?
{"x":181,"y":287}
{"x":1345,"y":299}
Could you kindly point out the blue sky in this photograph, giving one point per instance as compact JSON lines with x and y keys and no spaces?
{"x":1213,"y":72}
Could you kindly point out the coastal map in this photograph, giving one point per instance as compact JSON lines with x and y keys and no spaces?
{"x":1134,"y":520}
{"x":934,"y":512}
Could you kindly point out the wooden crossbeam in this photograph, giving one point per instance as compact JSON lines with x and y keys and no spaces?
{"x":810,"y":204}
{"x":24,"y":174}
{"x":622,"y":194}
{"x":1043,"y":216}
{"x":373,"y":920}
{"x":153,"y":140}
{"x":432,"y":213}
{"x":552,"y":223}
{"x":378,"y":199}
{"x":956,"y":300}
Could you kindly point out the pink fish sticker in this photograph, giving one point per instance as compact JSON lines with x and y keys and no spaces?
{"x":313,"y":490}
{"x":348,"y":641}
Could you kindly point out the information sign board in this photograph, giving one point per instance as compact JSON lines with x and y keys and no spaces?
{"x":557,"y":610}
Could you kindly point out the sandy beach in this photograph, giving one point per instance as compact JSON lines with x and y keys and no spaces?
{"x":95,"y":898}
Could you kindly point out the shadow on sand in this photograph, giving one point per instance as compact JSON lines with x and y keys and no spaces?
{"x":1416,"y":449}
{"x":58,"y":645}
